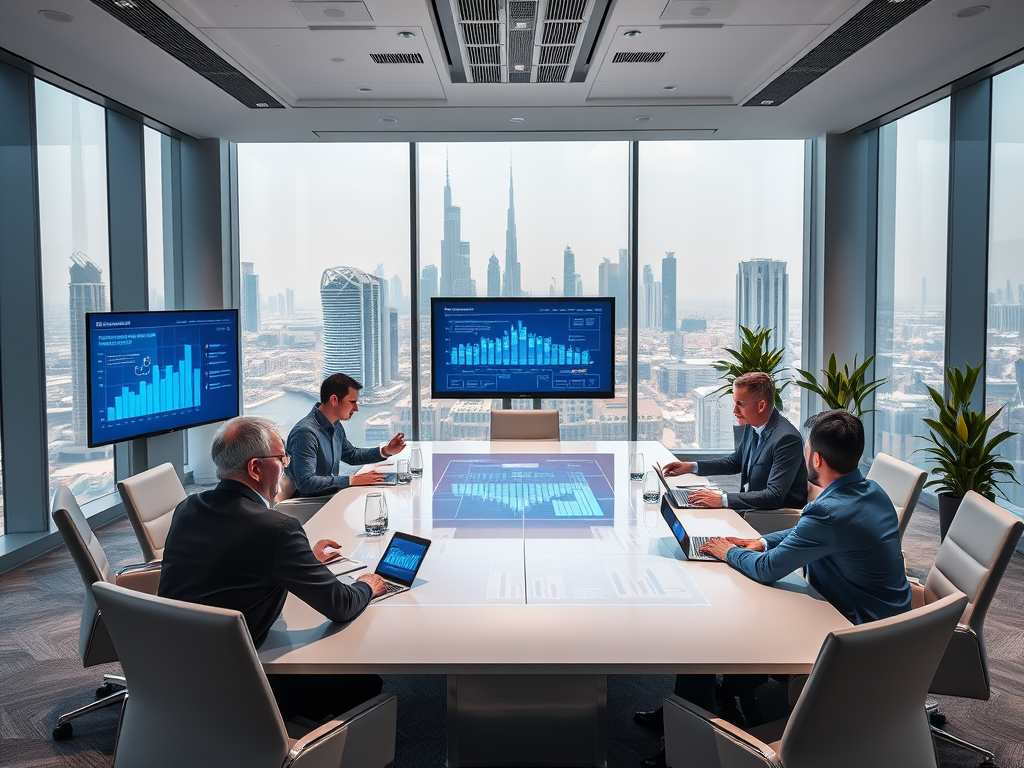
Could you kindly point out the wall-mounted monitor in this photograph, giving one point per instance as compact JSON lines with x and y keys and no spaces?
{"x":522,"y":347}
{"x":155,"y":372}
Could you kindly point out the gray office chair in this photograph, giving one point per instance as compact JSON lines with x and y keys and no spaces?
{"x":165,"y":645}
{"x":972,"y":559}
{"x":902,"y":483}
{"x":881,"y":670}
{"x":525,"y":425}
{"x":300,"y":507}
{"x":150,"y":499}
{"x":94,"y":646}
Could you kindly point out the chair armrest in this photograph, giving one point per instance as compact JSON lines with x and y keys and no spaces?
{"x":771,"y":520}
{"x":917,"y":596}
{"x":695,"y":737}
{"x":363,"y":737}
{"x":144,"y":577}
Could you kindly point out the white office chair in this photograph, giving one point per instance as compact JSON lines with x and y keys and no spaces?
{"x":902,"y":483}
{"x":150,"y":499}
{"x":300,"y":507}
{"x":525,"y":425}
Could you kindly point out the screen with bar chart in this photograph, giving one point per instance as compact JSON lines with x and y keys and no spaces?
{"x":523,"y":347}
{"x":156,"y":372}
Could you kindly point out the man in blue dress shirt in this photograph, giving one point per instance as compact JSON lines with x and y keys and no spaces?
{"x":318,"y":443}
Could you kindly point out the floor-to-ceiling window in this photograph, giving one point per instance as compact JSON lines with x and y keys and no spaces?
{"x":1005,"y":360}
{"x":913,"y":197}
{"x":71,"y":133}
{"x":721,"y":246}
{"x":324,"y":247}
{"x":157,"y":150}
{"x":524,"y":219}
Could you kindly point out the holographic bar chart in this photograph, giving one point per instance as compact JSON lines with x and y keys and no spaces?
{"x":169,"y":388}
{"x":516,"y":347}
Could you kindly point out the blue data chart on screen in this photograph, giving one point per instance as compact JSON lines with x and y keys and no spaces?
{"x":402,"y":560}
{"x":524,"y":346}
{"x":154,"y":372}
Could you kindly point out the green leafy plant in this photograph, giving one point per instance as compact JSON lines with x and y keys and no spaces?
{"x":842,"y":388}
{"x":754,"y":354}
{"x":965,"y":458}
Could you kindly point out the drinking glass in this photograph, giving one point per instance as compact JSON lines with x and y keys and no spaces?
{"x":375,"y":514}
{"x":651,"y":488}
{"x":416,"y":464}
{"x":403,"y":472}
{"x":636,"y":467}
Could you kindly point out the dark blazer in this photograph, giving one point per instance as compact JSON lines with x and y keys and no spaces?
{"x":316,"y":446}
{"x":227,"y":549}
{"x":776,"y":472}
{"x":849,"y":540}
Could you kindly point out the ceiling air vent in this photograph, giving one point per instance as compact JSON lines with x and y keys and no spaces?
{"x":552,"y":74}
{"x":486,"y":74}
{"x":873,"y":20}
{"x":638,"y":57}
{"x":150,"y":21}
{"x":397,"y":58}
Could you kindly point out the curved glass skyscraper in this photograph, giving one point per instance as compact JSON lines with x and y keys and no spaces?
{"x":356,"y":337}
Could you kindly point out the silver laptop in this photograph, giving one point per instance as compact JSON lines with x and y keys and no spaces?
{"x":400,"y":564}
{"x":677,"y":497}
{"x":689,"y":544}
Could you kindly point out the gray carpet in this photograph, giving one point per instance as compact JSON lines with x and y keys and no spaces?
{"x":41,"y":677}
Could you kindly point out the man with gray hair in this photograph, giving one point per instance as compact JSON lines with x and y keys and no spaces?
{"x":228,"y":548}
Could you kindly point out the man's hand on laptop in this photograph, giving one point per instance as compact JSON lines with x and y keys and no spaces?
{"x":717,"y":547}
{"x":754,"y":545}
{"x":674,"y":468}
{"x":366,"y":478}
{"x":321,"y":555}
{"x":704,"y":497}
{"x":376,"y":583}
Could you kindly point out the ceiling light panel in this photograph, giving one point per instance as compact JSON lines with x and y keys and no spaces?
{"x":332,"y":14}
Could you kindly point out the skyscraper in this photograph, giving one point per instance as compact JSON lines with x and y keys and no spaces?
{"x":88,"y":293}
{"x":579,"y":284}
{"x":668,"y":291}
{"x":568,"y":272}
{"x":649,"y":311}
{"x":762,"y":298}
{"x":289,"y":302}
{"x":354,"y":326}
{"x":428,"y":287}
{"x":513,"y":278}
{"x":398,"y":300}
{"x":250,"y":299}
{"x":455,"y":274}
{"x":393,"y":337}
{"x":493,"y":276}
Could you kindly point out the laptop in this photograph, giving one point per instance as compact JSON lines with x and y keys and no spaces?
{"x":400,"y":564}
{"x":689,"y":544}
{"x":390,"y":478}
{"x":677,"y":497}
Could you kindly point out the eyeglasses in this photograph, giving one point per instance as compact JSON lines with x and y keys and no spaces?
{"x":284,"y":458}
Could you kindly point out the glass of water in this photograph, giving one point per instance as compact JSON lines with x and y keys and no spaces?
{"x":651,"y":488}
{"x":375,"y":514}
{"x":636,"y":467}
{"x":416,"y":464}
{"x":404,"y":476}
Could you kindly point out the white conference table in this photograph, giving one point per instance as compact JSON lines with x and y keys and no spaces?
{"x":527,"y":614}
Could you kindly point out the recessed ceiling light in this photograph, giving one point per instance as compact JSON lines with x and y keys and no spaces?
{"x":520,"y":25}
{"x":389,"y":119}
{"x":974,"y":10}
{"x":406,"y":35}
{"x":262,"y":104}
{"x":126,"y":4}
{"x":364,"y":89}
{"x":668,"y":87}
{"x":56,"y":16}
{"x":644,"y":118}
{"x":519,"y":67}
{"x":517,"y":120}
{"x":333,"y":13}
{"x":631,"y":33}
{"x":700,"y":11}
{"x":337,"y":59}
{"x":767,"y":102}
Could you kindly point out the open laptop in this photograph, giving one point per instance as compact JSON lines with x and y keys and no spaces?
{"x":689,"y":544}
{"x":390,"y":477}
{"x":677,"y":497}
{"x":400,"y":564}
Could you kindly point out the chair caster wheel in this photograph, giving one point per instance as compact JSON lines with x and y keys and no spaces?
{"x":937,"y":719}
{"x":107,"y":689}
{"x":63,"y":732}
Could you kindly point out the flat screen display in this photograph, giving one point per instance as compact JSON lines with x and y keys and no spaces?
{"x":523,"y":347}
{"x":155,"y":372}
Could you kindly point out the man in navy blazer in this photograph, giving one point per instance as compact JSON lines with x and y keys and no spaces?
{"x":769,"y":458}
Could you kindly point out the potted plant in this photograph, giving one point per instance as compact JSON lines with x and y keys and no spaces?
{"x":842,"y":389}
{"x":964,"y":456}
{"x":755,"y":354}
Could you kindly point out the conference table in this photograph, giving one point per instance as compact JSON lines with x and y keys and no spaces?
{"x":546,"y":573}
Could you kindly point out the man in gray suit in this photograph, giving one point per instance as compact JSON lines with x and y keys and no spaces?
{"x":769,"y":458}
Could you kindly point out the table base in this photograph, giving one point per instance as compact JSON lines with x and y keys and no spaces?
{"x":527,"y":720}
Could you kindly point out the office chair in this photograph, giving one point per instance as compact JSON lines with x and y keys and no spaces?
{"x":94,"y":646}
{"x":972,"y":559}
{"x":150,"y":499}
{"x":880,"y":670}
{"x":902,"y":483}
{"x":300,"y":507}
{"x":165,"y":645}
{"x":525,"y":425}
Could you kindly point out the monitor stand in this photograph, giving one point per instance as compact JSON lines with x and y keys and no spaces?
{"x":506,"y":403}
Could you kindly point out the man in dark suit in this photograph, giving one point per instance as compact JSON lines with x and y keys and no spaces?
{"x":317,"y":443}
{"x":227,"y":548}
{"x":768,"y":458}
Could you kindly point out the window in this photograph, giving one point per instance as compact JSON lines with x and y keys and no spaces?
{"x":911,"y":294}
{"x":158,"y":250}
{"x":721,"y":245}
{"x":324,"y":245}
{"x":1005,"y":359}
{"x":71,"y":134}
{"x":532,"y":219}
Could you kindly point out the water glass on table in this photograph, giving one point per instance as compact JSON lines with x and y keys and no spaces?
{"x":404,"y":475}
{"x":416,"y":463}
{"x":375,"y":514}
{"x":651,"y":488}
{"x":636,"y":467}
